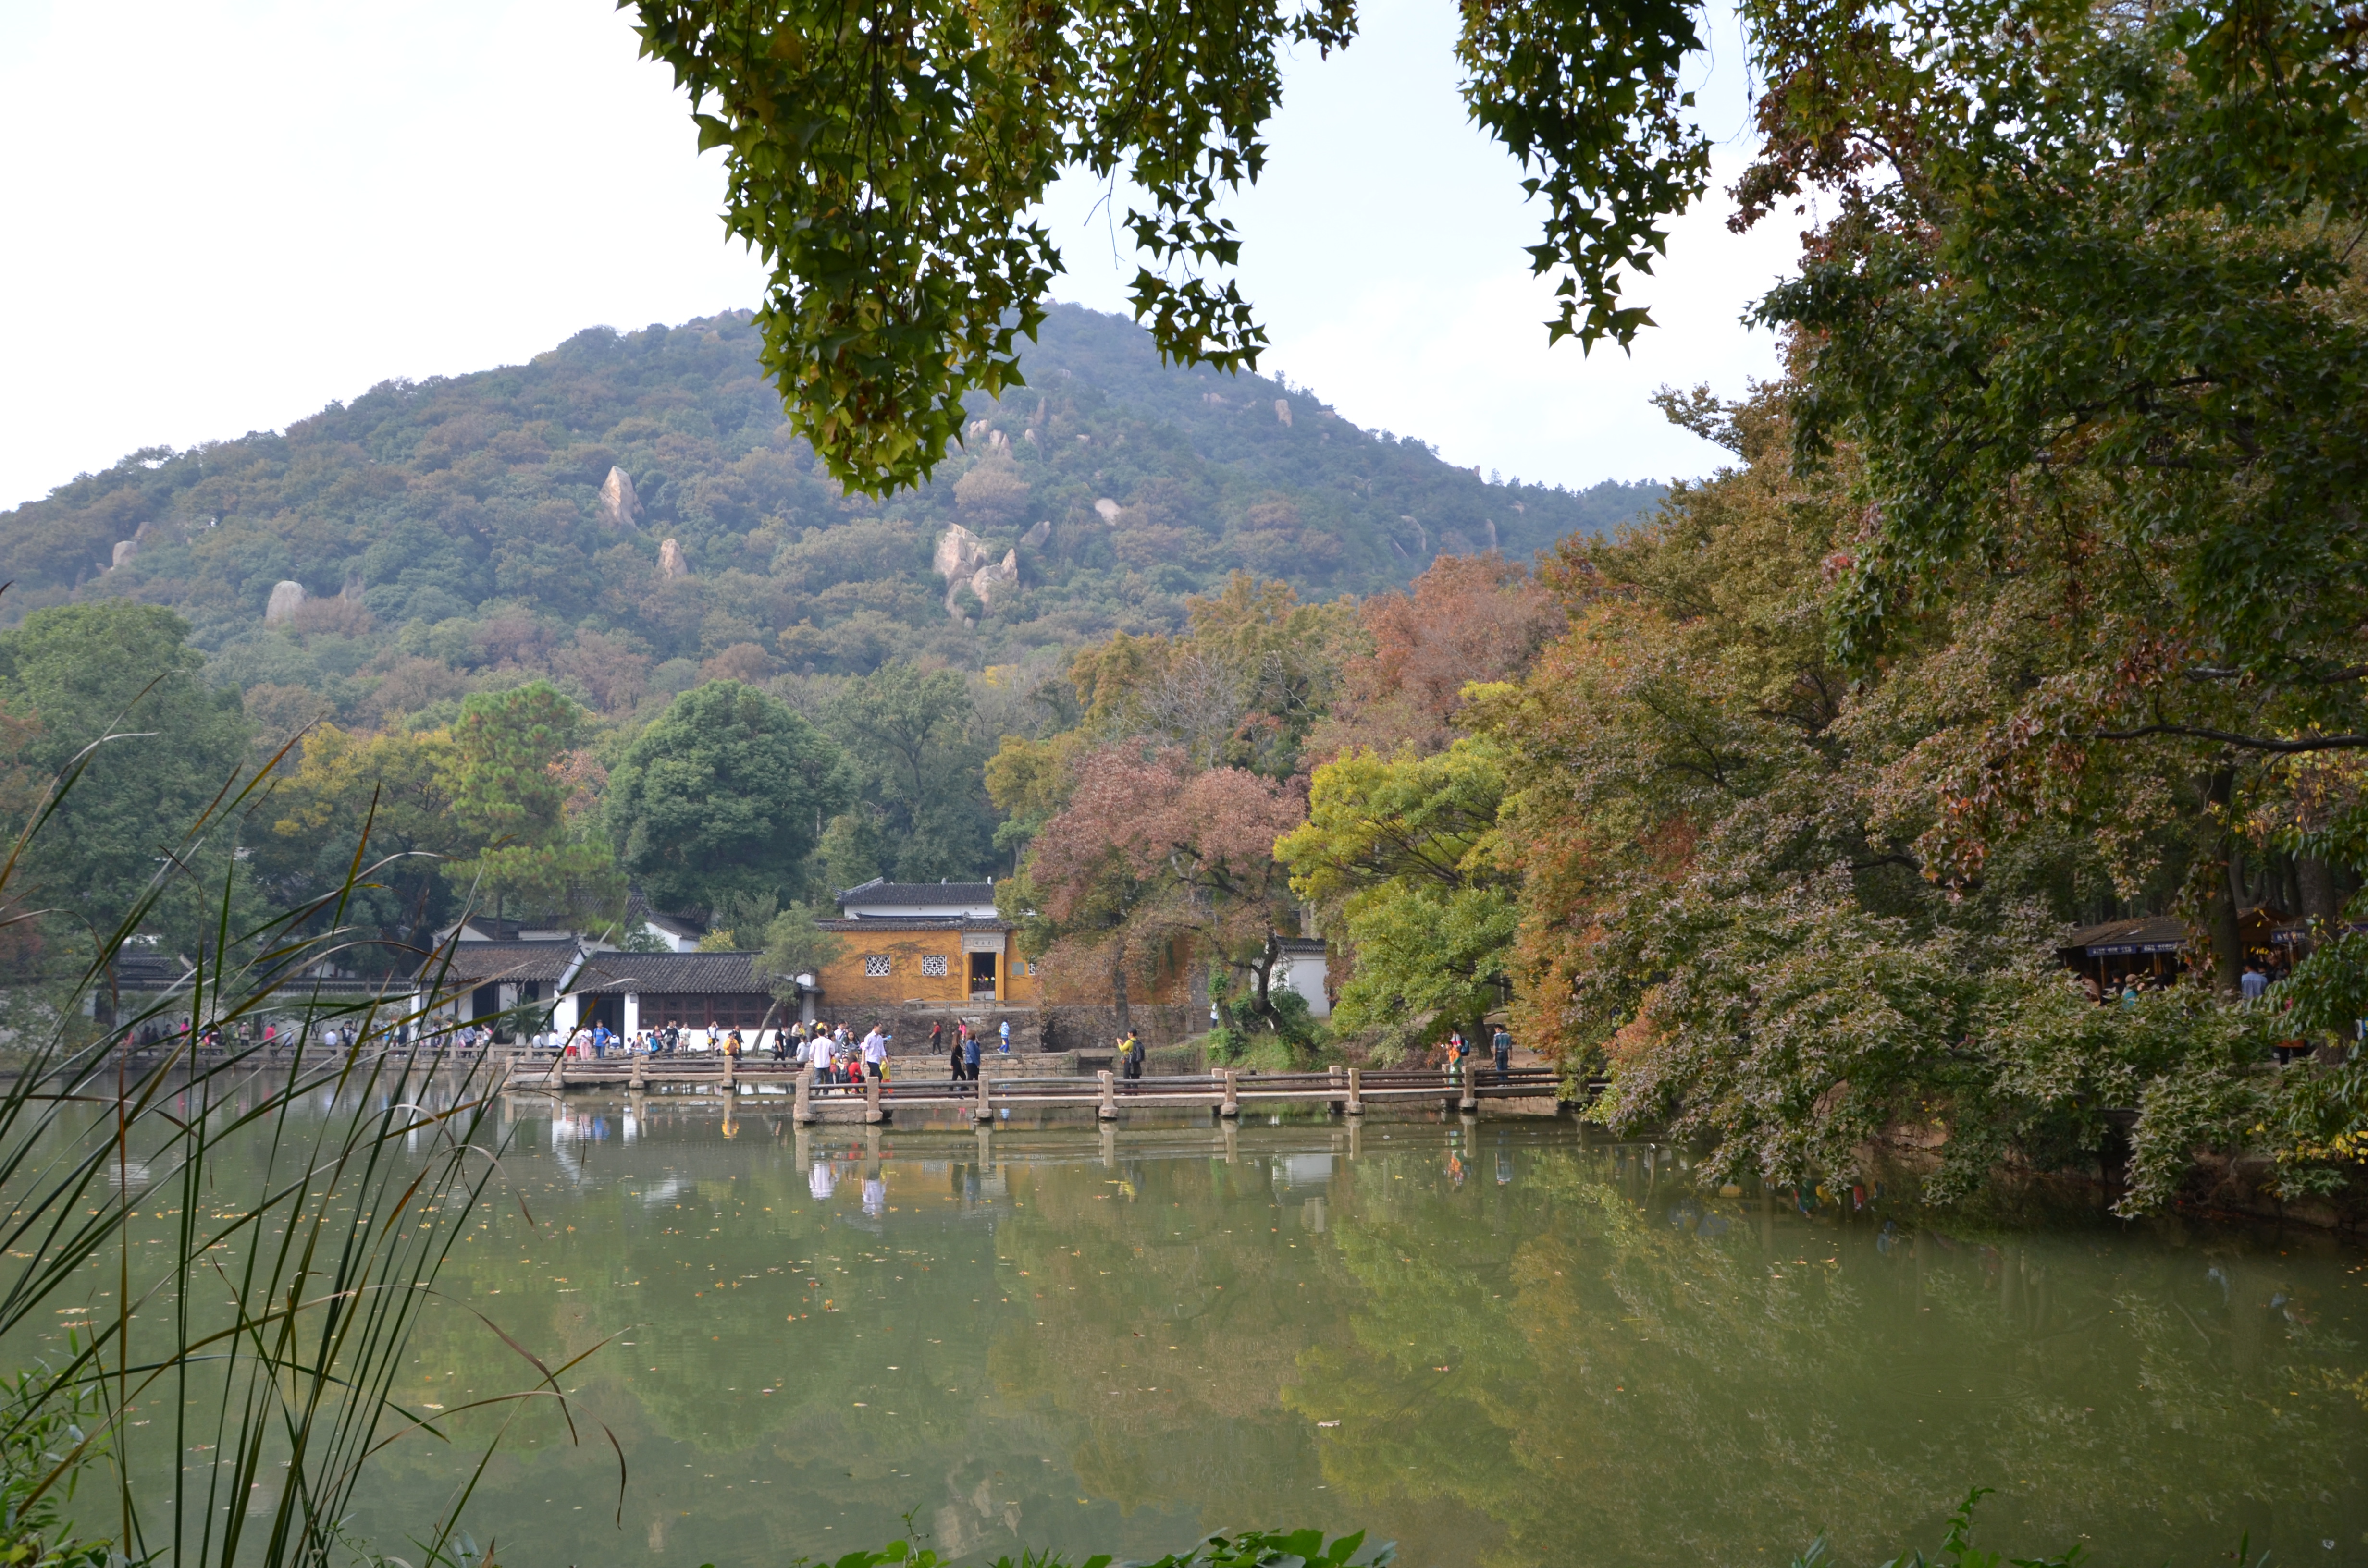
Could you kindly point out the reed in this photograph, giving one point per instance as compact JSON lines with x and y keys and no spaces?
{"x":246,"y":1267}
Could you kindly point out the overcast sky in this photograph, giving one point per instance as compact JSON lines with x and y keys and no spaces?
{"x":222,"y":214}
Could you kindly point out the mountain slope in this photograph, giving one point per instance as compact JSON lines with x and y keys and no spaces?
{"x":458,"y":523}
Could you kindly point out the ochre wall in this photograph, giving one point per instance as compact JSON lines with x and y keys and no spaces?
{"x":845,"y":986}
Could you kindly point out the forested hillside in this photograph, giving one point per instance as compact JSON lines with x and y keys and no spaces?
{"x":447,"y":531}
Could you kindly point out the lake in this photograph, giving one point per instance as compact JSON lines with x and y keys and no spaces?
{"x":1499,"y":1343}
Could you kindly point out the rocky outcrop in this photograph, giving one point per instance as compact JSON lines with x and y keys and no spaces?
{"x":125,"y":549}
{"x":1108,"y":509}
{"x":619,"y":507}
{"x":998,"y":581}
{"x":960,"y":558}
{"x":960,"y":553}
{"x":1282,"y":409}
{"x":1034,"y":538}
{"x":672,"y":563}
{"x":286,"y":598}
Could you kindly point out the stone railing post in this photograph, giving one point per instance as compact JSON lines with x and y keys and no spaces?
{"x":1233,"y":1105}
{"x":1109,"y":1094}
{"x":804,"y":1111}
{"x":1356,"y":1105}
{"x":873,"y":1114}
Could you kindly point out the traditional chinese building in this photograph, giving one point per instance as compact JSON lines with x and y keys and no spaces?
{"x":925,"y":944}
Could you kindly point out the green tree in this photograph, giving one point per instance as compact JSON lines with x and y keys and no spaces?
{"x":914,"y":736}
{"x":796,"y":944}
{"x":395,"y":785}
{"x":722,"y":796}
{"x":1403,"y":856}
{"x":86,"y":672}
{"x":575,"y":880}
{"x":2099,"y":322}
{"x":851,"y":851}
{"x":899,"y":225}
{"x":509,"y":787}
{"x":502,"y":783}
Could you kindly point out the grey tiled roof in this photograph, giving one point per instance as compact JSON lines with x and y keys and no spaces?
{"x":952,"y":893}
{"x":709,"y":974}
{"x":484,"y":963}
{"x":915,"y":923}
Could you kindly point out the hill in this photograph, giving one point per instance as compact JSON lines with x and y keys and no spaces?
{"x":518,"y":518}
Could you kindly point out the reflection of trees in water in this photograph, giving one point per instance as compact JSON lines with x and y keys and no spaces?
{"x":1127,"y":1262}
{"x":1628,"y":1382}
{"x":1636,"y":1388}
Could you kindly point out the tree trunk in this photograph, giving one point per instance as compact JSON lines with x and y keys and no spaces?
{"x":1118,"y":990}
{"x":1263,"y":973}
{"x":2227,"y":941}
{"x":2315,"y":879}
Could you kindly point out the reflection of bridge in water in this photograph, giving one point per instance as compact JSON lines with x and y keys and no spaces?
{"x":1342,"y":1091}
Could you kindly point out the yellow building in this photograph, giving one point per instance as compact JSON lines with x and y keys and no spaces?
{"x":924,"y":944}
{"x":924,"y":963}
{"x":941,"y":945}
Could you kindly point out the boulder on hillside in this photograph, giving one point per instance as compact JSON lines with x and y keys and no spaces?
{"x":286,"y":598}
{"x":960,"y":553}
{"x":1034,"y":538}
{"x":619,"y":507}
{"x":125,"y":549}
{"x":961,"y":557}
{"x":999,"y":579}
{"x":672,"y":563}
{"x":1282,"y":409}
{"x":1108,"y":509}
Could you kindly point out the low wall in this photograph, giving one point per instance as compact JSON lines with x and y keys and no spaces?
{"x":1072,"y":1027}
{"x":1060,"y":1029}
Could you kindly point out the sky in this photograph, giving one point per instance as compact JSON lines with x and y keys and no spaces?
{"x":272,"y":205}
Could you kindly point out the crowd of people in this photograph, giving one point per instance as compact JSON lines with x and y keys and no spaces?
{"x":832,"y":1050}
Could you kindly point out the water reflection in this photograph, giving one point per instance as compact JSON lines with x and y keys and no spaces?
{"x":1489,"y":1340}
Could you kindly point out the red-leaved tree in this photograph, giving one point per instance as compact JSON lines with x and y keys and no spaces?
{"x":1151,"y":851}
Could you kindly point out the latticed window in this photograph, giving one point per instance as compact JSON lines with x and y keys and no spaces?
{"x":875,"y":966}
{"x":933,"y":965}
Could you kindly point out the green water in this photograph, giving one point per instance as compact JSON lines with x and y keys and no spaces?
{"x":1496,"y":1343}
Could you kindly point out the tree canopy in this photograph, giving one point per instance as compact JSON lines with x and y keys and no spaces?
{"x":76,"y":676}
{"x":887,"y":171}
{"x":722,"y":797}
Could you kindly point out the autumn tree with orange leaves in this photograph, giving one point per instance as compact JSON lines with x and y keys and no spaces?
{"x":1151,"y":857}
